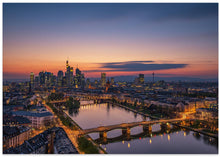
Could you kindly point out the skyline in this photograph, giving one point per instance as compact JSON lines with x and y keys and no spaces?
{"x":172,"y":40}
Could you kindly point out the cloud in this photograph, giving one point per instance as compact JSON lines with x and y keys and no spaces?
{"x":132,"y":66}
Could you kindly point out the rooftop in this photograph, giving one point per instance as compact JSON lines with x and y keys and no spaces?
{"x":32,"y":114}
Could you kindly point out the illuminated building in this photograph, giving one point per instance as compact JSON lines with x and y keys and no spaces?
{"x":107,"y":86}
{"x":103,"y":79}
{"x":48,"y":78}
{"x":67,"y":64}
{"x":15,"y":136}
{"x":153,"y":76}
{"x":79,"y":78}
{"x":112,"y":80}
{"x":69,"y":74}
{"x":96,"y":83}
{"x":82,"y":81}
{"x":64,"y":81}
{"x":51,"y":141}
{"x":141,"y":79}
{"x":32,"y":80}
{"x":36,"y":81}
{"x":87,"y":83}
{"x":59,"y":78}
{"x":53,"y":80}
{"x":38,"y":118}
{"x":42,"y":77}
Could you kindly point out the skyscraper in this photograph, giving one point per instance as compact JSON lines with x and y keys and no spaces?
{"x":103,"y":79}
{"x":48,"y":78}
{"x":42,"y":77}
{"x":69,"y":74}
{"x":112,"y":80}
{"x":87,"y":83}
{"x":59,"y":78}
{"x":153,"y":76}
{"x":67,"y":64}
{"x":78,"y":77}
{"x":141,"y":79}
{"x":36,"y":81}
{"x":32,"y":80}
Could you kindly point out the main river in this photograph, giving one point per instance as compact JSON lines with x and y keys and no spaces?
{"x":176,"y":141}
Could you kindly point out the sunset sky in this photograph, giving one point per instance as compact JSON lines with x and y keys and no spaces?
{"x":172,"y":40}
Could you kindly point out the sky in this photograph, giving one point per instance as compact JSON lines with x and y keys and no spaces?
{"x":169,"y":39}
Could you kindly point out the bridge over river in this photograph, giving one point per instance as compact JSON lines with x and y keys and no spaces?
{"x":147,"y":126}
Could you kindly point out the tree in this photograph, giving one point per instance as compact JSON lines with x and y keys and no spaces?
{"x":56,"y":96}
{"x":87,"y":146}
{"x":135,"y":103}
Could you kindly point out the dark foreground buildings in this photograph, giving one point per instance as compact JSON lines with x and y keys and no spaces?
{"x":51,"y":141}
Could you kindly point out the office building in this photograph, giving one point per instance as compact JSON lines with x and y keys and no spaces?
{"x":42,"y":77}
{"x":69,"y":75}
{"x":141,"y":79}
{"x":103,"y":79}
{"x":32,"y":80}
{"x":112,"y":80}
{"x":59,"y":78}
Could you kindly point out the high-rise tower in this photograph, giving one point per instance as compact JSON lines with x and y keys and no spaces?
{"x":153,"y":77}
{"x":141,"y":79}
{"x":67,"y":64}
{"x":60,"y":78}
{"x":32,"y":80}
{"x":103,"y":79}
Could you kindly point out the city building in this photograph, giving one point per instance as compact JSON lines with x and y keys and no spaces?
{"x":206,"y":114}
{"x":42,"y":77}
{"x":79,"y":79}
{"x":51,"y":141}
{"x":38,"y":118}
{"x":69,"y":75}
{"x":60,"y":78}
{"x":141,"y":79}
{"x":107,"y":86}
{"x":32,"y":80}
{"x":15,"y":121}
{"x":36,"y":81}
{"x":112,"y":80}
{"x":103,"y":79}
{"x":14,"y":136}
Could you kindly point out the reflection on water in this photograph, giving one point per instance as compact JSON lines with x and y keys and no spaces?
{"x":91,"y":116}
{"x":172,"y":141}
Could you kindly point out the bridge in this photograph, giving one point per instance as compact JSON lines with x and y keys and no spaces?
{"x":147,"y":126}
{"x":58,"y":101}
{"x":82,"y":102}
{"x":137,"y":136}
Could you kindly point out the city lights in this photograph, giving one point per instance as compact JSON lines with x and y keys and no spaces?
{"x":75,"y":81}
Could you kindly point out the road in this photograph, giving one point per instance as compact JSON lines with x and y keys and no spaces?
{"x":72,"y":134}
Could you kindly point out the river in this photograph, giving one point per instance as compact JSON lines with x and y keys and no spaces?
{"x":174,"y":141}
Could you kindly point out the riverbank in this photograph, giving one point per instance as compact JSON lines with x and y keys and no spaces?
{"x":135,"y":111}
{"x":153,"y":117}
{"x":101,"y":150}
{"x":199,"y":131}
{"x":70,"y":133}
